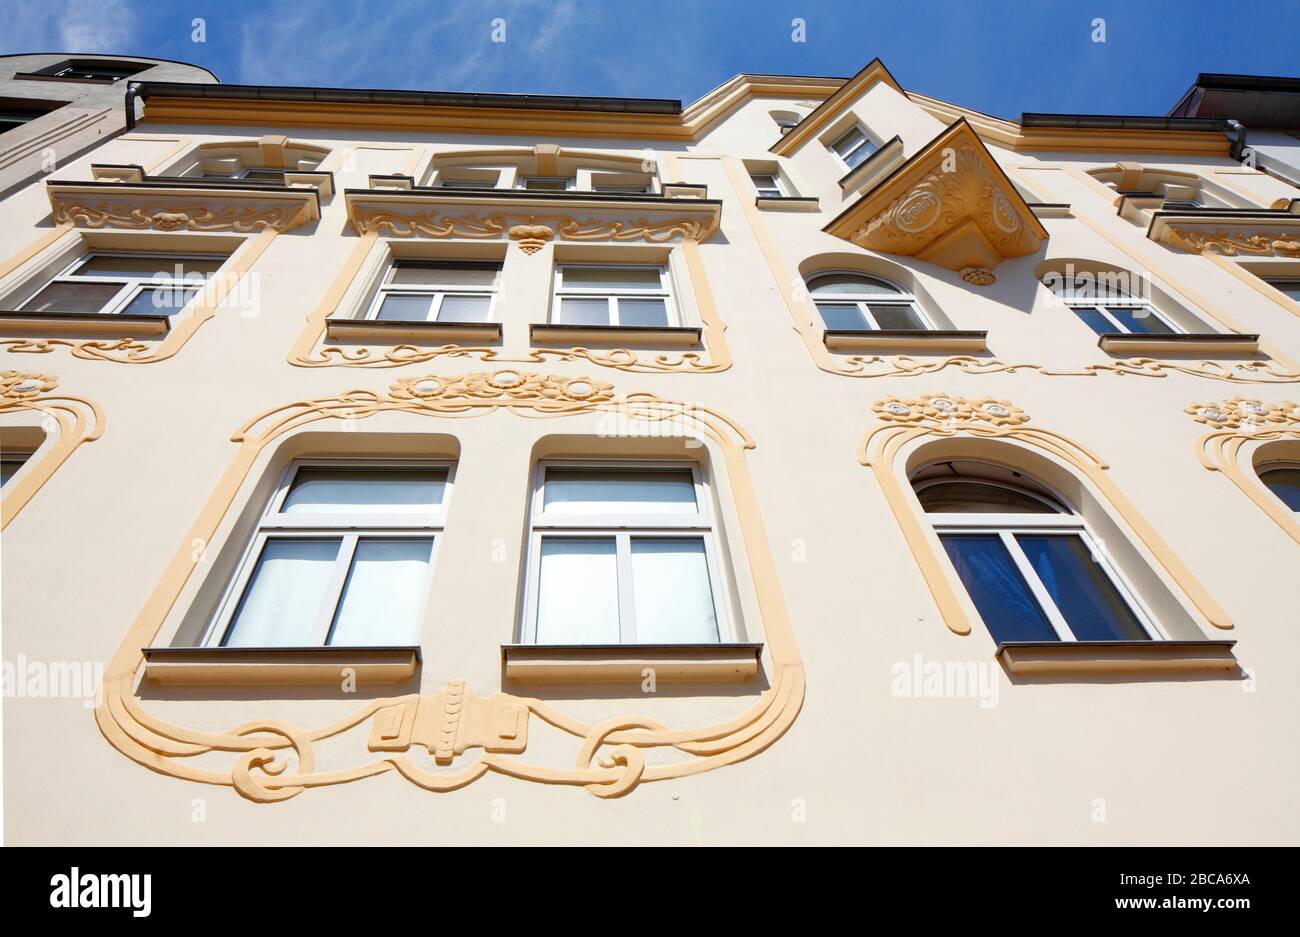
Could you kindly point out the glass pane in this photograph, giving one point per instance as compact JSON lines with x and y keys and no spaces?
{"x":844,"y":144}
{"x":281,"y":606}
{"x":842,"y":316}
{"x":364,"y":491}
{"x":72,"y":297}
{"x":610,"y":277}
{"x":10,"y":465}
{"x":619,"y":491}
{"x":405,"y":307}
{"x":1095,"y":321}
{"x":424,"y":273}
{"x":577,"y":594}
{"x":895,"y":316}
{"x":546,"y":185}
{"x":1141,"y":321}
{"x":671,"y":592}
{"x":159,"y":301}
{"x":850,"y":284}
{"x":382,"y":596}
{"x":1084,"y":594}
{"x":974,"y":498}
{"x":998,"y":591}
{"x":856,"y":157}
{"x":766,"y":184}
{"x":584,"y":311}
{"x":1289,"y":287}
{"x":147,"y":268}
{"x":1285,"y":483}
{"x":464,"y":308}
{"x":264,"y":175}
{"x":642,"y":312}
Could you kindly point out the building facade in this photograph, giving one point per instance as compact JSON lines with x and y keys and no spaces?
{"x":818,"y":462}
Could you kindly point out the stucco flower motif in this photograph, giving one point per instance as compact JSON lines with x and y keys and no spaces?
{"x":1286,"y":247}
{"x":998,"y":412}
{"x":23,"y":385}
{"x":945,"y":407}
{"x":418,"y":388}
{"x":893,"y":410}
{"x":1260,"y":411}
{"x":1219,"y":416}
{"x":170,"y":220}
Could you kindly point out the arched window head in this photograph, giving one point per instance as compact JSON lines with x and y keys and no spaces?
{"x":1031,"y":567}
{"x":850,"y":301}
{"x":1283,"y":479}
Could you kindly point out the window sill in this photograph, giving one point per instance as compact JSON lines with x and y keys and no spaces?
{"x":1188,"y":343}
{"x":1103,"y":657}
{"x":922,"y":340}
{"x":17,"y":322}
{"x":424,"y":332}
{"x":280,"y":666}
{"x":645,"y":336}
{"x":626,"y":663}
{"x":788,"y":202}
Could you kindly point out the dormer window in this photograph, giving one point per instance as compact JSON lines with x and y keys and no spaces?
{"x":90,"y":70}
{"x":852,"y":147}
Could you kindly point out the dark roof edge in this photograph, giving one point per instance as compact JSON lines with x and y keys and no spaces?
{"x":557,"y":102}
{"x":1113,"y":122}
{"x":1223,"y":81}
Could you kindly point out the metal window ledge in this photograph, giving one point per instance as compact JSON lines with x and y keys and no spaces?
{"x":641,"y":335}
{"x":279,"y":666}
{"x":116,"y":325}
{"x":381,"y":330}
{"x":1103,"y":657}
{"x":921,"y":340}
{"x":628,"y":663}
{"x":1182,"y":343}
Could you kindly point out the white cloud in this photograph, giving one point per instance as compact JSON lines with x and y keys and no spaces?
{"x":104,"y":26}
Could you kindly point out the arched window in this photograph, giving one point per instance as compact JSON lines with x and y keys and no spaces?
{"x":1106,"y":305}
{"x":857,"y":302}
{"x":1283,"y":479}
{"x":1032,"y":569}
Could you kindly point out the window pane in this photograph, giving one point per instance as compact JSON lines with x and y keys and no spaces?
{"x":974,"y":498}
{"x":264,"y":175}
{"x":72,"y":297}
{"x":610,"y":277}
{"x":577,"y":594}
{"x":382,"y":596}
{"x":281,"y":606}
{"x":1289,"y":287}
{"x":424,"y":273}
{"x":844,"y":144}
{"x":842,"y":316}
{"x":642,"y":312}
{"x":1095,"y":321}
{"x":112,"y":265}
{"x":405,"y":307}
{"x":1084,"y":594}
{"x":10,"y":465}
{"x":997,"y":589}
{"x":671,"y":592}
{"x":895,"y":316}
{"x":850,"y":284}
{"x":546,"y":185}
{"x":159,"y":301}
{"x":584,"y":311}
{"x":364,"y":491}
{"x":1141,"y":321}
{"x":1285,"y":483}
{"x":614,"y":491}
{"x":464,"y":308}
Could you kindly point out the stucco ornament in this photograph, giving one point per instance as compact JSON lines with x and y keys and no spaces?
{"x":1232,"y":243}
{"x":949,"y":410}
{"x":531,"y":237}
{"x":978,"y":276}
{"x":166,"y":216}
{"x":518,"y":385}
{"x":25,"y":385}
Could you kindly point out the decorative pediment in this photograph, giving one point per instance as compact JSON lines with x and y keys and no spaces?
{"x":531,"y":221}
{"x":950,"y":204}
{"x":159,"y":207}
{"x":1260,"y":233}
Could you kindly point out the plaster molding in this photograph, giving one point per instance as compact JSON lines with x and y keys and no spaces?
{"x":1237,"y":424}
{"x":1232,"y":243}
{"x":908,"y":421}
{"x":609,"y":760}
{"x":71,"y":421}
{"x":145,"y":208}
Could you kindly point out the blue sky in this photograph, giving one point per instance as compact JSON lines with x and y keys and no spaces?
{"x":996,"y":56}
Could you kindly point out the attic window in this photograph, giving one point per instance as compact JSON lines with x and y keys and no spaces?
{"x":90,"y":70}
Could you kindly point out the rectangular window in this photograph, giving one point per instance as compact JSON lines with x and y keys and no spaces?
{"x":1290,"y":287}
{"x":136,"y":284}
{"x":341,"y":558}
{"x":613,"y":294}
{"x":544,"y":183}
{"x":10,"y":462}
{"x":251,"y":174}
{"x":852,"y":147}
{"x":93,"y":69}
{"x":1133,"y":318}
{"x":12,"y":116}
{"x":436,"y":291}
{"x":767,"y":184}
{"x":622,"y":554}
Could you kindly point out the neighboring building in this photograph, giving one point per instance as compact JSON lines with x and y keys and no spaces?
{"x":56,"y":106}
{"x":1268,"y":110}
{"x":817,"y":462}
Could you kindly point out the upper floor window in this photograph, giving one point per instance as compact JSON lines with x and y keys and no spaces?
{"x":619,"y":184}
{"x":853,"y":146}
{"x":613,"y":294}
{"x":854,"y":301}
{"x":341,"y":557}
{"x":544,"y":183}
{"x":92,"y":70}
{"x":252,"y":174}
{"x":15,"y":114}
{"x":1283,"y":479}
{"x":11,"y":460}
{"x":135,"y":284}
{"x":1032,"y":569}
{"x":436,"y":291}
{"x":768,"y":184}
{"x":1290,"y":287}
{"x":1106,"y":307}
{"x":622,"y":554}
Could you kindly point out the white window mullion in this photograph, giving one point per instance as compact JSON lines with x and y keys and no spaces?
{"x":1054,"y":616}
{"x":626,"y":600}
{"x":334,"y":589}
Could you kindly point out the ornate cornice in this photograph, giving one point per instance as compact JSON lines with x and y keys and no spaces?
{"x":156,"y":208}
{"x":950,"y":204}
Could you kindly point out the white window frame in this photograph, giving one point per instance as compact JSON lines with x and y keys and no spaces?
{"x":778,"y":186}
{"x":349,"y":528}
{"x":243,"y":172}
{"x":622,"y":528}
{"x":130,"y":287}
{"x":664,"y":292}
{"x":863,"y":300}
{"x":1006,"y":526}
{"x":1266,"y":467}
{"x":435,"y":292}
{"x":1124,"y":302}
{"x":842,"y":156}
